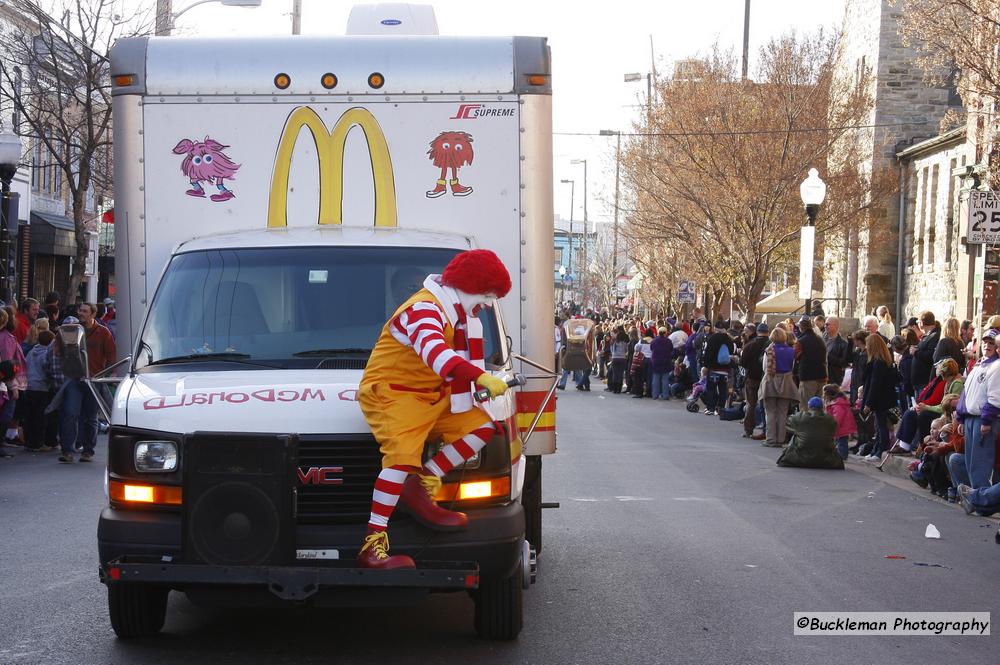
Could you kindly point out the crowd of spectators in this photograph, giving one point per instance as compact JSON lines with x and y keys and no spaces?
{"x":44,"y":406}
{"x":929,"y":391}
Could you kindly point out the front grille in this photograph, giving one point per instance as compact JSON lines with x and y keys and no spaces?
{"x":349,"y":503}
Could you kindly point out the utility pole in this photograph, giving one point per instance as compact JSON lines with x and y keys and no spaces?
{"x":297,"y":17}
{"x":746,"y":40}
{"x":164,"y":10}
{"x":614,"y":245}
{"x":586,"y":239}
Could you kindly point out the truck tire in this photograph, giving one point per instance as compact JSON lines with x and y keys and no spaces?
{"x":137,"y":610}
{"x":500,"y":607}
{"x":531,"y":500}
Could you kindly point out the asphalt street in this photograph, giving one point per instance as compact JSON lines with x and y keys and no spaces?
{"x":677,"y":541}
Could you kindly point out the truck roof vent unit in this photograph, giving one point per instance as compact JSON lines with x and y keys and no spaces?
{"x":392,"y":18}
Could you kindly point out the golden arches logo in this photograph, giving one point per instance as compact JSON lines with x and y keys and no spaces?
{"x":330,"y":146}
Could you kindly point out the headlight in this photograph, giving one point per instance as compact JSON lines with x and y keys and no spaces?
{"x":155,"y":456}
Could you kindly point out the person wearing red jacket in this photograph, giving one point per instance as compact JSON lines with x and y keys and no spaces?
{"x":27,"y":312}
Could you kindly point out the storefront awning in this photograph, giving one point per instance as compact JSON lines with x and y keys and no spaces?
{"x":785,"y":301}
{"x":52,"y":234}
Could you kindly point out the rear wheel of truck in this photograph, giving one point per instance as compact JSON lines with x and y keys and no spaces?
{"x":531,"y":500}
{"x":137,"y":610}
{"x":500,"y":607}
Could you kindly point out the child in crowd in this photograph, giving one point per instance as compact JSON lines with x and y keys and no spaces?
{"x":931,"y":470}
{"x":698,"y":389}
{"x":40,"y":430}
{"x":838,"y":406}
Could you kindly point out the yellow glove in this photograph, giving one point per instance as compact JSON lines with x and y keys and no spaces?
{"x":496,"y":386}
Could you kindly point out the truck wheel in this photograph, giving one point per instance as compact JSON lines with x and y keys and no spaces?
{"x":136,"y":610}
{"x":531,"y":500}
{"x":500,"y":607}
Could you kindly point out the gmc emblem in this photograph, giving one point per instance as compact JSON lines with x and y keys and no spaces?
{"x":320,"y":475}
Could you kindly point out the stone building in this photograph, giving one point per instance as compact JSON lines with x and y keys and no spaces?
{"x":934,"y":260}
{"x":861,"y":268}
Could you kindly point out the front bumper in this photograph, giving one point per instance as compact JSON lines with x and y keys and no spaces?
{"x":492,"y":542}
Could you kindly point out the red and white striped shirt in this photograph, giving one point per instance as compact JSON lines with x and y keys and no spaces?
{"x":421,"y":326}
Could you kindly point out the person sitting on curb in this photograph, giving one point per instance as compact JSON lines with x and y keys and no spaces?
{"x":812,"y":439}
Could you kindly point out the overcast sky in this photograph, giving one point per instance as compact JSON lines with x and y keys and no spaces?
{"x":593,"y":46}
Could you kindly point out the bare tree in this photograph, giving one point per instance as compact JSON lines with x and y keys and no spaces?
{"x":58,"y":80}
{"x":715,"y":173}
{"x":962,"y":37}
{"x":601,"y":271}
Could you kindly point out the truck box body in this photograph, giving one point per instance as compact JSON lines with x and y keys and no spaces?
{"x":352,"y":155}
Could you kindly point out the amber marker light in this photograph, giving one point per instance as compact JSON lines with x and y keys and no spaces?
{"x":479,"y":490}
{"x":376,"y":80}
{"x":124,"y":80}
{"x":538,"y":79}
{"x":140,"y":493}
{"x":122,"y":492}
{"x":282,"y":81}
{"x":329,"y":81}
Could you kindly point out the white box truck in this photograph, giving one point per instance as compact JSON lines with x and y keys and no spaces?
{"x":276,"y":199}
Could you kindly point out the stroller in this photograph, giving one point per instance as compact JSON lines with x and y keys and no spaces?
{"x":735,"y":407}
{"x":695,"y":397}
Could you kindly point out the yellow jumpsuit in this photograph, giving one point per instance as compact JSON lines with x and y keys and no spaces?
{"x":405,"y":402}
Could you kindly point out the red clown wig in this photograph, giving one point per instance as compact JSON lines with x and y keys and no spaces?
{"x":477,"y":271}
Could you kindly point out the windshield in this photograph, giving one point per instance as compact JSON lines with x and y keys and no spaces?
{"x":288,"y":306}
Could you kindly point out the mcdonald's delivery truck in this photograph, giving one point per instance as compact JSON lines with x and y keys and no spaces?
{"x":276,"y":200}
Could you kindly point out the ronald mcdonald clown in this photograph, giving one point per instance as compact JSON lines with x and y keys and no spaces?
{"x":418,"y":385}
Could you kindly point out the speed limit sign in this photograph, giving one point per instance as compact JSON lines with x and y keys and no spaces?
{"x":984,"y":218}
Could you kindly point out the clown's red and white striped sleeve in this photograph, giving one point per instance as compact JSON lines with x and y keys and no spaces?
{"x":421,"y":326}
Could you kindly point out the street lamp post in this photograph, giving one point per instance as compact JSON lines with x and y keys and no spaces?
{"x":813,"y":191}
{"x":165,"y":16}
{"x":10,"y":157}
{"x":572,"y":190}
{"x":562,"y":285}
{"x":586,"y":265}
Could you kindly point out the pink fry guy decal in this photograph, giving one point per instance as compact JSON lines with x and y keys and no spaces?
{"x":205,"y":161}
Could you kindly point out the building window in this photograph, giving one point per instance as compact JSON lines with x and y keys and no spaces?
{"x":919,"y":220}
{"x":36,"y":163}
{"x":932,"y":200}
{"x":949,"y":227}
{"x":18,"y":85}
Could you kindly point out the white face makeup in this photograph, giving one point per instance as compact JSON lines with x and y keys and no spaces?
{"x":474,"y":302}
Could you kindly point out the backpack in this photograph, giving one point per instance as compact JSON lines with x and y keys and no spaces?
{"x":724,"y":356}
{"x":73,"y":351}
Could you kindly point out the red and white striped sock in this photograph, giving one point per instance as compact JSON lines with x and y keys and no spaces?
{"x":458,"y":452}
{"x":387,"y":488}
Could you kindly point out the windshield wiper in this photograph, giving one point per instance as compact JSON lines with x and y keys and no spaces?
{"x":312,"y":353}
{"x":224,"y":356}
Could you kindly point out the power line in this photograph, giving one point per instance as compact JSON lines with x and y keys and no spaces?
{"x":749,"y":132}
